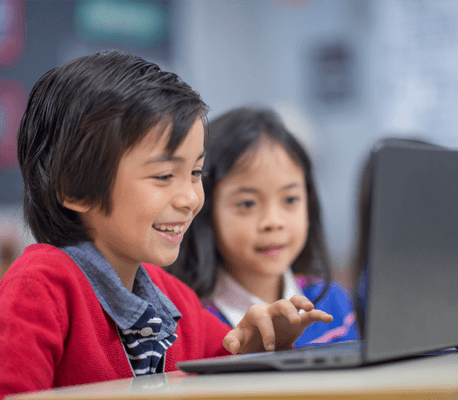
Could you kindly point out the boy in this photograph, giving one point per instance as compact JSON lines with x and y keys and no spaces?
{"x":111,"y":150}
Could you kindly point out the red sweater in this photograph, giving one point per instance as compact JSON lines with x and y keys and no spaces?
{"x":54,"y":332}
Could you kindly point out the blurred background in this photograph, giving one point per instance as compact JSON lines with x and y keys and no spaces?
{"x":341,"y":73}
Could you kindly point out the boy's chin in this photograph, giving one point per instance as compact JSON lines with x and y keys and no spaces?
{"x":164,"y":262}
{"x":165,"y":265}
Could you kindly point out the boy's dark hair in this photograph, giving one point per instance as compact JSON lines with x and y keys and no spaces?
{"x":80,"y":119}
{"x":231,"y":136}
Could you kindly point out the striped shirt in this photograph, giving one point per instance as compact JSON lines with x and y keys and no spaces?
{"x":145,"y":352}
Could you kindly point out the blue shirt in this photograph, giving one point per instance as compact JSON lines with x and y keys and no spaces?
{"x":337,"y":302}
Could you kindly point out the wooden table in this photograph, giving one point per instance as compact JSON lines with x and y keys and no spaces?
{"x":434,"y":377}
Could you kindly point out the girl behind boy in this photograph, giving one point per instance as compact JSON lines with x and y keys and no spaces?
{"x":259,"y":235}
{"x":111,"y":149}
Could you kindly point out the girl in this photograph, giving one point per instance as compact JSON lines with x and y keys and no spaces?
{"x":259,"y":236}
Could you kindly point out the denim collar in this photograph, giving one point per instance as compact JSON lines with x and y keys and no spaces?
{"x":123,"y":306}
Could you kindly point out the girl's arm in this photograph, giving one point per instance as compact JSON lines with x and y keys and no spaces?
{"x":273,"y":327}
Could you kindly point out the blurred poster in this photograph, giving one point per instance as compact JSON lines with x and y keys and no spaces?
{"x":13,"y":99}
{"x":12,"y":31}
{"x":334,"y":67}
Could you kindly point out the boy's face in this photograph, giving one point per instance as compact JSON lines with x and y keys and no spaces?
{"x":154,"y":199}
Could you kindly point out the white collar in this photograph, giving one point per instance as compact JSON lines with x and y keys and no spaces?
{"x":233,"y":300}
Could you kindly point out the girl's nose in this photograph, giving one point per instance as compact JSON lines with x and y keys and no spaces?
{"x":272,"y":220}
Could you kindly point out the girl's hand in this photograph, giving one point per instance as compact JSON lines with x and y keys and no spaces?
{"x":273,"y":327}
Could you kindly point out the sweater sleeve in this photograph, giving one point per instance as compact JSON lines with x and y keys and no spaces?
{"x":31,"y":334}
{"x":200,"y":334}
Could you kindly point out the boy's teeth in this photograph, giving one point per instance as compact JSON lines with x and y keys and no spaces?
{"x":165,"y":228}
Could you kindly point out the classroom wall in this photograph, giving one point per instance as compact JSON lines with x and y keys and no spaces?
{"x":342,"y":73}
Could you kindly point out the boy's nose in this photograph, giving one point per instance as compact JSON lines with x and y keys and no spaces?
{"x":187,"y":198}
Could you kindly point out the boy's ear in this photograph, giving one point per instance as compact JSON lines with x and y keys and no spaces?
{"x":76,"y":205}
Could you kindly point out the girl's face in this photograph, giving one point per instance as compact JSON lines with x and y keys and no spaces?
{"x":260,"y":214}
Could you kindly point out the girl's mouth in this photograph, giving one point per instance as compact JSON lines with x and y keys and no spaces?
{"x":272,"y":250}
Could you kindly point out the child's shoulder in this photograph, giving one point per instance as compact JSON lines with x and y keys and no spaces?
{"x":46,"y":267}
{"x":38,"y":249}
{"x":39,"y":259}
{"x":45,"y":278}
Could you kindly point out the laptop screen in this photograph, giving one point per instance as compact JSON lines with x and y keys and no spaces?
{"x":412,"y":253}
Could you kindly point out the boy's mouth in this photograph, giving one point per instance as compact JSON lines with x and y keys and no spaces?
{"x":170,"y":229}
{"x":172,"y":232}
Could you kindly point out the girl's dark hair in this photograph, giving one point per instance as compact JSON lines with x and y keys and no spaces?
{"x":231,"y":135}
{"x":80,"y":119}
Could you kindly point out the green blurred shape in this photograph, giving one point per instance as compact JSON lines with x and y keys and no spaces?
{"x":143,"y":23}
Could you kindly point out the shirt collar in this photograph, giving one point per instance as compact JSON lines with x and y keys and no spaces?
{"x":233,"y":300}
{"x":123,"y":306}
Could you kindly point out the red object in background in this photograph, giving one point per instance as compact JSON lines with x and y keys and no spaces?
{"x":12,"y":31}
{"x":13,"y":101}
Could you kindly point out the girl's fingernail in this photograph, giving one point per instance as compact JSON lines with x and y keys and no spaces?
{"x":270,"y":347}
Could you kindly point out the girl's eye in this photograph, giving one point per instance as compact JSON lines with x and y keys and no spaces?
{"x":247,"y":204}
{"x":292,"y":199}
{"x":164,"y":178}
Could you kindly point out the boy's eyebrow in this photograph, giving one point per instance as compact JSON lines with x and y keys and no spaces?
{"x":255,"y":190}
{"x":170,"y":158}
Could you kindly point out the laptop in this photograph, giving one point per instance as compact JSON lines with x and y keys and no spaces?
{"x":412,"y":269}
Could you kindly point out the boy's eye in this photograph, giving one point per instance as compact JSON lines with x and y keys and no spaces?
{"x":292,"y":199}
{"x":246,"y":204}
{"x":197,"y":173}
{"x":164,"y":178}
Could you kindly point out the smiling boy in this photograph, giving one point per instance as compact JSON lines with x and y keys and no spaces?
{"x":154,"y":199}
{"x":111,"y":150}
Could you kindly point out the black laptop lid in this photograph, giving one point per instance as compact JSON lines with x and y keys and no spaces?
{"x":412,"y":255}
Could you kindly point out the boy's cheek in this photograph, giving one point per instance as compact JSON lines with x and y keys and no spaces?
{"x":201,"y":196}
